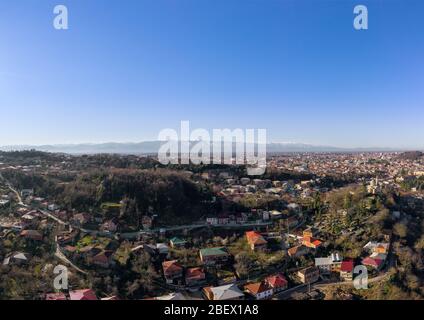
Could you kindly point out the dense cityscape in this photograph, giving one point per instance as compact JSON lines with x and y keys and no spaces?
{"x":127,"y":227}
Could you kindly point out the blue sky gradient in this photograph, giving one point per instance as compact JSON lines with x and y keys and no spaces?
{"x":127,"y":69}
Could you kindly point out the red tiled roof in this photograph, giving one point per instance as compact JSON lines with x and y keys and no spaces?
{"x":256,"y":287}
{"x":372,"y":262}
{"x":254,"y":237}
{"x":84,"y":294}
{"x":347,"y":266}
{"x":56,"y":296}
{"x":195,"y":273}
{"x":276,"y":281}
{"x":316,"y":243}
{"x":171,"y":267}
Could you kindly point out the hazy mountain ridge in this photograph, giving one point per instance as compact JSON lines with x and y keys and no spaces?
{"x":152,"y":147}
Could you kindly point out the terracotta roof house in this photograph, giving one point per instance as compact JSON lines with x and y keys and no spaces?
{"x":226,"y":292}
{"x":259,"y":290}
{"x":297,"y":251}
{"x":103,"y":259}
{"x":84,"y":294}
{"x":56,"y":296}
{"x":309,"y":232}
{"x":172,"y":270}
{"x":32,"y":235}
{"x":195,"y":276}
{"x":277,"y":282}
{"x":311,"y":242}
{"x":373,"y":262}
{"x":256,"y":241}
{"x":346,"y":270}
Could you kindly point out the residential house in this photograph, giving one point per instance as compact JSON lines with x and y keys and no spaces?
{"x":84,"y":294}
{"x":329,"y":264}
{"x":311,"y":242}
{"x":226,"y":292}
{"x":310,"y":232}
{"x":212,"y":220}
{"x":32,"y":235}
{"x":346,"y":270}
{"x":377,"y":247}
{"x":53,"y":207}
{"x":293,"y":207}
{"x":256,"y":241}
{"x":162,"y":248}
{"x":195,"y":276}
{"x":67,"y":237}
{"x":17,"y":258}
{"x":308,"y":275}
{"x":214,"y":256}
{"x":223,"y":219}
{"x":277,"y":282}
{"x":156,"y":249}
{"x":88,"y":252}
{"x":373,"y":263}
{"x":109,"y":226}
{"x":297,"y":251}
{"x":259,"y":290}
{"x":30,"y":219}
{"x":27,"y":192}
{"x":177,"y":242}
{"x":276,"y":214}
{"x":323,"y":264}
{"x":58,"y":296}
{"x":103,"y":259}
{"x":172,"y":271}
{"x":80,"y":219}
{"x":375,"y":260}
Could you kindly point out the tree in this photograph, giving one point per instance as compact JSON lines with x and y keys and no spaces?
{"x":419,"y":245}
{"x":244,"y":264}
{"x":400,"y":229}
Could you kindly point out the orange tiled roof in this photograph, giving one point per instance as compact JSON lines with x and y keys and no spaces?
{"x":171,"y":266}
{"x":256,"y":287}
{"x":254,"y":237}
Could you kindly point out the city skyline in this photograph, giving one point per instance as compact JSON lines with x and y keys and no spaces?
{"x":296,"y":68}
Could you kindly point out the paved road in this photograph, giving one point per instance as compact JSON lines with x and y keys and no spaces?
{"x":9,"y":185}
{"x":59,"y":254}
{"x":49,"y":215}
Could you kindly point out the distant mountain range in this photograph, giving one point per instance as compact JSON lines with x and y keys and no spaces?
{"x":152,"y":147}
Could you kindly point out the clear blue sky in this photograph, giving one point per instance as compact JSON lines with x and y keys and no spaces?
{"x":127,"y":69}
